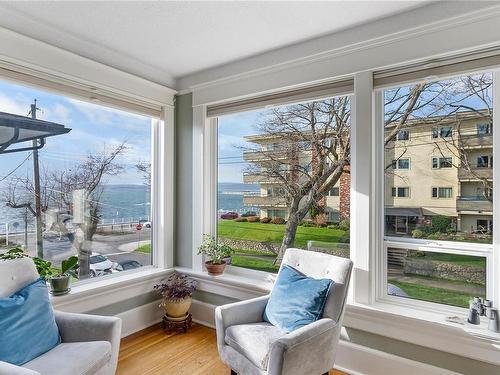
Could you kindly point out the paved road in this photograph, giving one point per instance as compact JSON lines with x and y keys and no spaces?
{"x":119,"y":246}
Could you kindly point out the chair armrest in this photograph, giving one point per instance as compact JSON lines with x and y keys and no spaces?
{"x":249,"y":311}
{"x":308,"y":350}
{"x":84,"y":327}
{"x":9,"y":369}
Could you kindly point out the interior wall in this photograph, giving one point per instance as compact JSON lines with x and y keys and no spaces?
{"x":184,"y":180}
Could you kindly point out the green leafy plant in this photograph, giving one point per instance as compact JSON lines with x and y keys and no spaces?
{"x":14,"y":253}
{"x":69,"y":266}
{"x":176,"y":287}
{"x":43,"y":267}
{"x":214,"y":250}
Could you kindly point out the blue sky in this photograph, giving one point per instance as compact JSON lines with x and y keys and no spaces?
{"x":232,"y":130}
{"x":94,"y":127}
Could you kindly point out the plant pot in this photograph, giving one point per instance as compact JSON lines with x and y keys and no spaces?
{"x":215,"y":269}
{"x":177,"y":308}
{"x":59,"y":285}
{"x":227,"y":260}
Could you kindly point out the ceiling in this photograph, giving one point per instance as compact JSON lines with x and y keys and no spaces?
{"x":163,"y":41}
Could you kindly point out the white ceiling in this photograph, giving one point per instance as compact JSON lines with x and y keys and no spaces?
{"x":163,"y":41}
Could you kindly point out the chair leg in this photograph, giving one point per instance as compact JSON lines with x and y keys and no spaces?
{"x":233,"y":372}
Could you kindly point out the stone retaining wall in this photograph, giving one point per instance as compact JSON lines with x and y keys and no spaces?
{"x":461,"y":272}
{"x":263,"y":247}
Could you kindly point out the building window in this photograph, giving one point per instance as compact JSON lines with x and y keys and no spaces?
{"x":484,"y":129}
{"x":445,"y":229}
{"x":442,"y":192}
{"x":484,"y":161}
{"x":257,"y":191}
{"x":401,"y":192}
{"x":442,"y":132}
{"x":93,"y":184}
{"x":403,"y":163}
{"x":334,"y":192}
{"x":442,"y":162}
{"x":403,"y":135}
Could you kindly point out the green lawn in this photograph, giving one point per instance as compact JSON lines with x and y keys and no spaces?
{"x":274,"y":233}
{"x":456,"y":259}
{"x":144,"y":249}
{"x":254,"y":263}
{"x":432,"y":294}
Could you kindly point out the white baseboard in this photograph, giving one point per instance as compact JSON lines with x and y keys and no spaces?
{"x":351,"y":358}
{"x":141,"y":317}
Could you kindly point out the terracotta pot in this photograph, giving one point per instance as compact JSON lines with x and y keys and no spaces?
{"x":215,"y":269}
{"x":177,"y":308}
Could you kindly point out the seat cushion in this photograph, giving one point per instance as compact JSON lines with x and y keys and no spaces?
{"x":27,"y":324}
{"x":253,"y":341}
{"x":75,"y":358}
{"x":296,"y":299}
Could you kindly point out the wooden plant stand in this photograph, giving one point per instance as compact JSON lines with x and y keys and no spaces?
{"x":177,"y":325}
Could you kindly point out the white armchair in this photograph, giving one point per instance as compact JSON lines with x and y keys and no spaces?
{"x":89,"y":343}
{"x":248,"y":345}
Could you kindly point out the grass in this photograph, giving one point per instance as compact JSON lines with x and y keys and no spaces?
{"x":433,"y":294}
{"x":255,"y":263}
{"x":455,"y":258}
{"x":144,"y":249}
{"x":274,"y":233}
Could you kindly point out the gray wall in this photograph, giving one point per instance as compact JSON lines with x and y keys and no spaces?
{"x":184,"y":179}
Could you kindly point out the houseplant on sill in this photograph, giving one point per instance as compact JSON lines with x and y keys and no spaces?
{"x":59,"y":283}
{"x":177,"y":292}
{"x":218,"y":253}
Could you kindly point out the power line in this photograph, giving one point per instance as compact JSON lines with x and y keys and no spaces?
{"x":16,"y":168}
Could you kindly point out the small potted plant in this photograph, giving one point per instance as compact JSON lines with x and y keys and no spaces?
{"x":177,"y":292}
{"x":218,"y":254}
{"x":59,"y":283}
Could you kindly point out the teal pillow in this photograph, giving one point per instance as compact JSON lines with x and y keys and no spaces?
{"x":296,"y":300}
{"x":27,"y":324}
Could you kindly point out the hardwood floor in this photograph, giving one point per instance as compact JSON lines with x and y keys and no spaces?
{"x":154,"y":352}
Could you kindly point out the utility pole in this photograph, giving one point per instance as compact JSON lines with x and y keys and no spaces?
{"x":36,"y":179}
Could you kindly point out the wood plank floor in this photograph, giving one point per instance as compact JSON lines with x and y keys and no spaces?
{"x":154,"y":352}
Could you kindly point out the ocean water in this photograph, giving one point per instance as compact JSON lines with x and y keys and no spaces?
{"x":131,"y":203}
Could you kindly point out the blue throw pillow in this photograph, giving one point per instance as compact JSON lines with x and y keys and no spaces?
{"x":27,"y":324}
{"x":296,"y":299}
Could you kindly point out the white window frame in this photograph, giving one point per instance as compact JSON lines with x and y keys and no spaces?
{"x":162,"y":186}
{"x":490,"y":251}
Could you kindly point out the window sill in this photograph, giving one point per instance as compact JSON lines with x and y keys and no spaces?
{"x":90,"y":295}
{"x":418,"y":326}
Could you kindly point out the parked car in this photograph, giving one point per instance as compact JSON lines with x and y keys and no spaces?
{"x":100,"y":265}
{"x":145,"y":223}
{"x":124,"y":265}
{"x":229,"y":215}
{"x":249,"y":213}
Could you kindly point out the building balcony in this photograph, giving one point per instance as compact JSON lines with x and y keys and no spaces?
{"x":474,"y":203}
{"x":473,"y":141}
{"x":255,"y":156}
{"x":255,"y":178}
{"x":264,"y":201}
{"x":475,"y":173}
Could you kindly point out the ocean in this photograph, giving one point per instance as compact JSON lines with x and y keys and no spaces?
{"x":132,"y":203}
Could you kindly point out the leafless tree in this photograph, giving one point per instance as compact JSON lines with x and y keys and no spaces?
{"x":144,"y":169}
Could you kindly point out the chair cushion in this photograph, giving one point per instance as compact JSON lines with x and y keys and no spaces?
{"x":27,"y":324}
{"x":16,"y":274}
{"x":253,"y":341}
{"x":296,"y":299}
{"x":75,"y":358}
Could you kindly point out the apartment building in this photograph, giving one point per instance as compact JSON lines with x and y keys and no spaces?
{"x":433,"y":166}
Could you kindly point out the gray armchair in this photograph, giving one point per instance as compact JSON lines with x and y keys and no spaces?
{"x":250,"y":346}
{"x":90,"y":343}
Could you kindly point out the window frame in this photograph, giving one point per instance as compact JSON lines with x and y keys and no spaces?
{"x":490,"y":251}
{"x":162,"y":175}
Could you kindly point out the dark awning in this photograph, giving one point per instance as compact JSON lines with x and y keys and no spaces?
{"x":403,"y":211}
{"x":16,"y":129}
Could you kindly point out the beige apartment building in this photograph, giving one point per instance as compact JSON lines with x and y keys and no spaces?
{"x":433,"y":166}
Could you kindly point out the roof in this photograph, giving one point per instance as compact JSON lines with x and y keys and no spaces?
{"x":403,"y":211}
{"x":17,"y":129}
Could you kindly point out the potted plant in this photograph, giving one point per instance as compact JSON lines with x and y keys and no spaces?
{"x":217,"y":253}
{"x":177,"y":292}
{"x":59,"y":283}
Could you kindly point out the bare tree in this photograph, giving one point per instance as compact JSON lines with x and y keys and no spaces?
{"x":144,"y":169}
